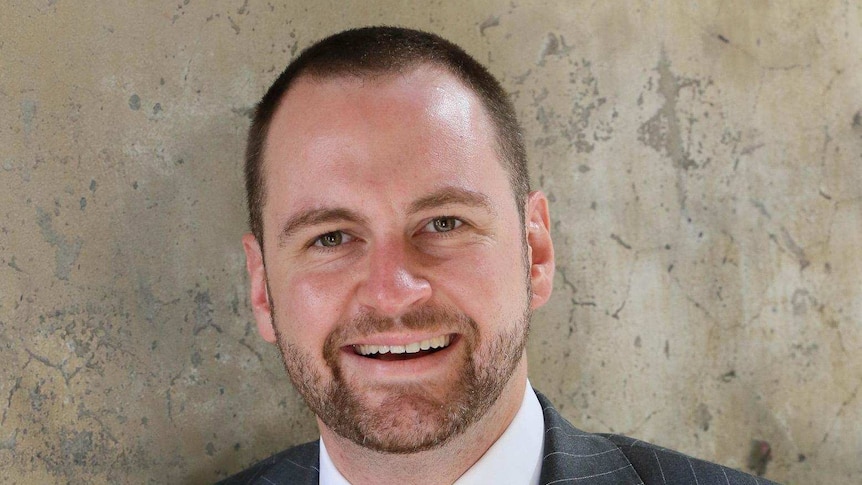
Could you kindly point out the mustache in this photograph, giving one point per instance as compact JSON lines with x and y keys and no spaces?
{"x":426,"y":317}
{"x":423,"y":318}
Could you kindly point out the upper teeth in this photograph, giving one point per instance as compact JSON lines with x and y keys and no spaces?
{"x":411,"y":348}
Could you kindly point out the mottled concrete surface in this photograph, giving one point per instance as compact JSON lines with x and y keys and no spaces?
{"x":703,"y":159}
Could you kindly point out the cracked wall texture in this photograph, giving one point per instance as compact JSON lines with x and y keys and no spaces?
{"x":703,"y":160}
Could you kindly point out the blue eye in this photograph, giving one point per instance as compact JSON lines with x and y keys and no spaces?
{"x":444,"y":224}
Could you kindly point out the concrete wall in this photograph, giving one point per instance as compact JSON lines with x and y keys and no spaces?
{"x":703,"y":159}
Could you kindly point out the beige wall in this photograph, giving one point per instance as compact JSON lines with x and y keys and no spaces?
{"x":703,"y":159}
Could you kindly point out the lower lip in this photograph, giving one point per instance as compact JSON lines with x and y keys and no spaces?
{"x":399,"y":369}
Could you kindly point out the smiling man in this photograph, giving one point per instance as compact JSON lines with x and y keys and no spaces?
{"x":395,"y":258}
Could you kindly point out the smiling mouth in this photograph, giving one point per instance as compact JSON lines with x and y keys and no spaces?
{"x":403,"y":352}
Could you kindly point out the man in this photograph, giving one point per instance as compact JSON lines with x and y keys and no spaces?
{"x":395,"y":258}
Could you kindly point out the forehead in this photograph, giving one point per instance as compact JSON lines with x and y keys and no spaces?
{"x":425,"y":100}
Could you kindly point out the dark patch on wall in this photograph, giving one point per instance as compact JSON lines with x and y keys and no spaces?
{"x":553,"y":46}
{"x":28,"y":114}
{"x":663,"y":132}
{"x":77,"y":445}
{"x":204,"y":312}
{"x":135,"y":102}
{"x":620,"y":241}
{"x":37,"y":398}
{"x":702,"y":416}
{"x":800,"y":301}
{"x":10,"y":443}
{"x":587,"y":122}
{"x":14,"y":265}
{"x":759,"y":456}
{"x":492,"y":21}
{"x":66,"y":253}
{"x":233,"y":25}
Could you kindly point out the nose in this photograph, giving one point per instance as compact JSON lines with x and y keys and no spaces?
{"x":393,"y":283}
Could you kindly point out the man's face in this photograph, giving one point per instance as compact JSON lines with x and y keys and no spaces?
{"x":397,"y":273}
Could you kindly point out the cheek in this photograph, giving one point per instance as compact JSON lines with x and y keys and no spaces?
{"x":309,"y":306}
{"x":488,"y":280}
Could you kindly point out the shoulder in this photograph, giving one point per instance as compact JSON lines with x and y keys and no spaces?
{"x":571,"y":454}
{"x":297,"y":465}
{"x":660,"y":465}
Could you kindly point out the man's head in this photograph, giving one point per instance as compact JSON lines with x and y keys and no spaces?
{"x":403,"y":253}
{"x":371,"y":52}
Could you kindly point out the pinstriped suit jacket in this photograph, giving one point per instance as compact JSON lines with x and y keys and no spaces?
{"x":571,"y":457}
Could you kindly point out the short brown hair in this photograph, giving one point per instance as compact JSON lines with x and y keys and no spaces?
{"x":372,"y":51}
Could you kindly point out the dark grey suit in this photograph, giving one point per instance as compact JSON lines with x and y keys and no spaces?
{"x":571,"y":456}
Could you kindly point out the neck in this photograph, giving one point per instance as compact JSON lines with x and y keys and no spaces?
{"x":441,"y":465}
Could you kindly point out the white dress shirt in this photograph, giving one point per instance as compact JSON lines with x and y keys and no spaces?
{"x":516,"y":457}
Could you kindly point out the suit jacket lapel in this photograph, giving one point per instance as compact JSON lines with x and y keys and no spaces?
{"x":573,"y":456}
{"x":295,"y":466}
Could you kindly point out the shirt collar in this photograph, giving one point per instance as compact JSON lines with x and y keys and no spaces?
{"x":516,"y":457}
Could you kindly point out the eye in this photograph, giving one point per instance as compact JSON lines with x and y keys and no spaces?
{"x":332,"y":239}
{"x":443,"y":224}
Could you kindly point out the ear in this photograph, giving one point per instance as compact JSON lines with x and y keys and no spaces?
{"x":259,"y":293}
{"x":540,"y":248}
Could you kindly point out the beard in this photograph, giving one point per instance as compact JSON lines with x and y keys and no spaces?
{"x":410,"y":417}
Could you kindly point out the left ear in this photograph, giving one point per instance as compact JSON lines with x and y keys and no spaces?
{"x":540,"y":248}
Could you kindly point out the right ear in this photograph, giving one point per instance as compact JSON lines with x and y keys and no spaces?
{"x":259,"y":293}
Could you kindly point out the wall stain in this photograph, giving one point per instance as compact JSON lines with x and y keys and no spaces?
{"x":233,"y":25}
{"x":702,"y":416}
{"x":552,"y":46}
{"x":28,"y":114}
{"x":67,"y":252}
{"x":728,"y":376}
{"x":10,"y":443}
{"x":662,"y":132}
{"x":77,"y":446}
{"x":620,"y":241}
{"x":759,"y":456}
{"x":492,"y":21}
{"x":204,"y":312}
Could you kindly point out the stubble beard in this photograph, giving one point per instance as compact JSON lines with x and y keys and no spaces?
{"x":411,"y":418}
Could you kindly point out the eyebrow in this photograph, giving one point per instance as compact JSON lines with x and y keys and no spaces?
{"x":453,"y":195}
{"x":314,"y":217}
